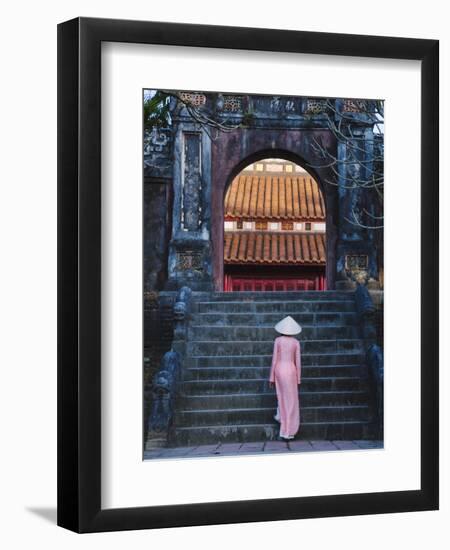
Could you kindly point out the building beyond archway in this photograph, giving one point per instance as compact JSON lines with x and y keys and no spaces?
{"x":274,"y":229}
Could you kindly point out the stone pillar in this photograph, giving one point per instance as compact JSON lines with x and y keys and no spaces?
{"x":356,"y":255}
{"x":190,"y":247}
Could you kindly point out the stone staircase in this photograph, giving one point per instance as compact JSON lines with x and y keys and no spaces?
{"x":224,"y":392}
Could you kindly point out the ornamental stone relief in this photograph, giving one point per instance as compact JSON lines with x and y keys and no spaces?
{"x":189,"y":260}
{"x":232,"y":103}
{"x":356,"y":262}
{"x":194,"y":99}
{"x":315,"y":106}
{"x":157,"y":152}
{"x":354,"y":106}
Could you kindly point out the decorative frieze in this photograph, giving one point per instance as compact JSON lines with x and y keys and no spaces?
{"x":193,"y":98}
{"x":315,"y":106}
{"x":354,"y":106}
{"x":286,"y":105}
{"x":232,"y":103}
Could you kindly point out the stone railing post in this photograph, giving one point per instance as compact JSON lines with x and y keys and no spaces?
{"x":181,"y":315}
{"x":375,"y":363}
{"x":164,"y":393}
{"x":366,"y":311}
{"x":165,"y":382}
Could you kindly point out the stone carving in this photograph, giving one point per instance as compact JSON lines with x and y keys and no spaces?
{"x":189,"y":259}
{"x":283,"y":105}
{"x":354,"y":106}
{"x":179,"y":311}
{"x":315,"y":106}
{"x":164,"y":388}
{"x":356,"y":267}
{"x":157,"y":140}
{"x":181,"y":314}
{"x":158,"y":152}
{"x":232,"y":103}
{"x":192,"y":185}
{"x":194,"y":99}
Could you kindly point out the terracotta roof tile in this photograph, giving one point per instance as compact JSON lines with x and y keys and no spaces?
{"x":266,"y":247}
{"x":274,"y":197}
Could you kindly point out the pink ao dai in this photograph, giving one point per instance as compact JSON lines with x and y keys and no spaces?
{"x":286,"y":374}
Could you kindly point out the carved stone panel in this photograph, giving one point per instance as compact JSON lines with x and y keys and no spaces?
{"x":356,"y":261}
{"x":158,"y":153}
{"x":192,"y":184}
{"x":356,"y":266}
{"x":354,"y":105}
{"x":189,"y":260}
{"x":315,"y":106}
{"x":232,"y":103}
{"x":193,"y":98}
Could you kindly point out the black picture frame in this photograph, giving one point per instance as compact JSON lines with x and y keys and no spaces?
{"x":79,"y":274}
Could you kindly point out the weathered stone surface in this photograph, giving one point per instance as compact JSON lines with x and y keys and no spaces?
{"x":156,"y":234}
{"x":323,"y":445}
{"x":270,"y":126}
{"x":158,"y":153}
{"x":239,"y":449}
{"x":225,"y":396}
{"x":192,"y":186}
{"x":346,"y":445}
{"x":303,"y":446}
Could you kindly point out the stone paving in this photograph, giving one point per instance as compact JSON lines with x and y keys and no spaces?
{"x":261,"y":447}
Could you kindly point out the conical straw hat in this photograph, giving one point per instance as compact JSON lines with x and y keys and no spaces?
{"x":288,"y":326}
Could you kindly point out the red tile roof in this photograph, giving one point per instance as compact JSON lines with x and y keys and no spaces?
{"x":274,"y":197}
{"x":265,"y":247}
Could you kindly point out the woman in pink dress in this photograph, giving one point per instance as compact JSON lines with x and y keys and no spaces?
{"x":285,"y":374}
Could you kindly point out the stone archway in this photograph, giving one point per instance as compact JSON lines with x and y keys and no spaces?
{"x":217,"y":212}
{"x":200,"y":166}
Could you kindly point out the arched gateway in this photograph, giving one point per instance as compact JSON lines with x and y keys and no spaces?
{"x":197,"y":165}
{"x":221,"y":344}
{"x":274,"y":229}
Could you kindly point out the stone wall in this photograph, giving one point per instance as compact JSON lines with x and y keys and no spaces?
{"x":199,"y":162}
{"x":157,"y":232}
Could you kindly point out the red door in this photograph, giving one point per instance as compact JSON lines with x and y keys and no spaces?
{"x":266,"y":284}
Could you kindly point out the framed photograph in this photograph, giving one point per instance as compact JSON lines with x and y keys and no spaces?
{"x":248,"y":318}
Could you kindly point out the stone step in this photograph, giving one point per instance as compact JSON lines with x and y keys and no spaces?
{"x":351,"y":430}
{"x":201,"y":333}
{"x":341,"y":358}
{"x":270,"y":319}
{"x":243,"y":373}
{"x":264,"y":347}
{"x":281,"y":307}
{"x":225,"y":417}
{"x":252,"y":400}
{"x":275,"y":295}
{"x":261,"y":385}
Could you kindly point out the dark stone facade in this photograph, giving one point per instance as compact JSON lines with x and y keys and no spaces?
{"x":198,"y":163}
{"x":157,"y":224}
